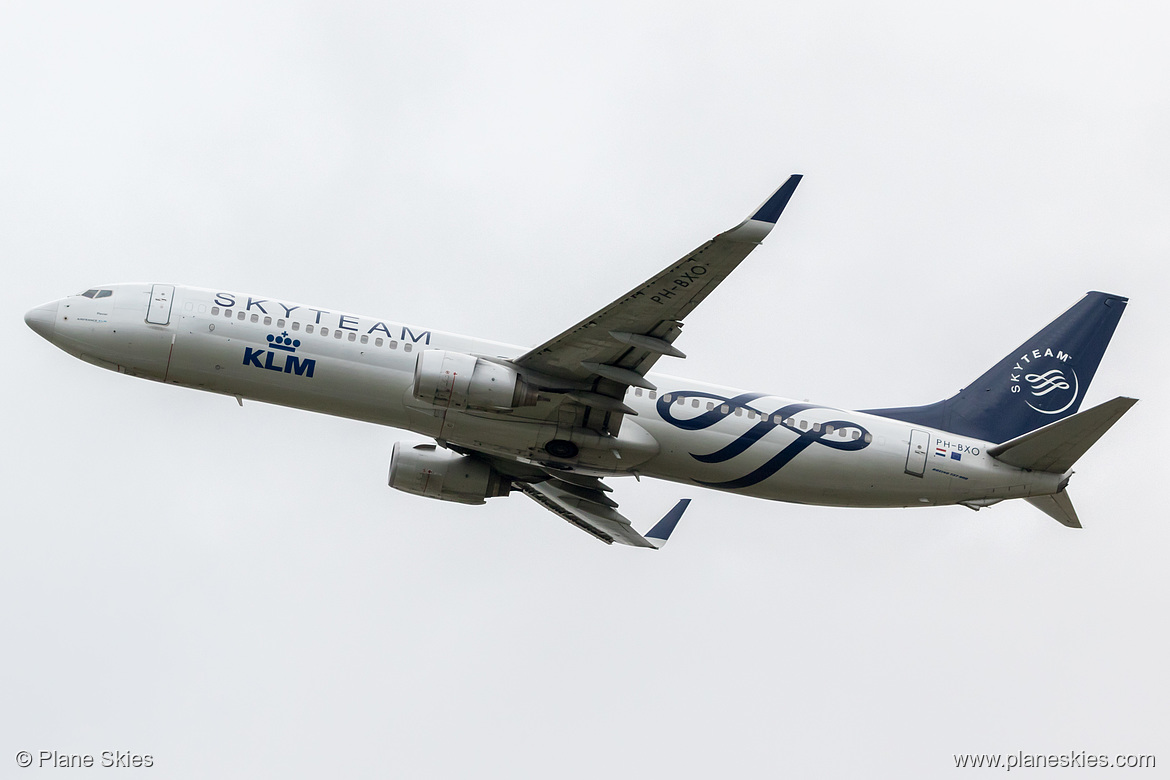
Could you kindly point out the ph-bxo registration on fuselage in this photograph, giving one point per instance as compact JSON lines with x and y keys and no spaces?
{"x":553,"y":421}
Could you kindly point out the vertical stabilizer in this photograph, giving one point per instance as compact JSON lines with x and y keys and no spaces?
{"x":1041,"y":381}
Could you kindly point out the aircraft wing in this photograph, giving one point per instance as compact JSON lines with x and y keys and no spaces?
{"x":613,"y":349}
{"x":597,"y":514}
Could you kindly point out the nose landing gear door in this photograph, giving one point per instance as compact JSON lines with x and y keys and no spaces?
{"x":159,"y":312}
{"x":916,"y":457}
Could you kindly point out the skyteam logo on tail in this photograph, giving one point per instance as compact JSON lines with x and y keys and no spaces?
{"x":270,"y":359}
{"x":1048,"y":384}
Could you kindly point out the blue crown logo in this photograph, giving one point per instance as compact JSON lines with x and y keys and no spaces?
{"x":283,"y":342}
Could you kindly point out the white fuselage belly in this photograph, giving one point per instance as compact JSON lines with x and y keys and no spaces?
{"x":866,"y":461}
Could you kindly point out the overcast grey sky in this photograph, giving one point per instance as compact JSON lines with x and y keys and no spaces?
{"x":237,"y":593}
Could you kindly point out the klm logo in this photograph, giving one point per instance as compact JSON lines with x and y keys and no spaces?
{"x":273,"y":360}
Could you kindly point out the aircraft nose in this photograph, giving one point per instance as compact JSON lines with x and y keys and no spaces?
{"x":43,"y":320}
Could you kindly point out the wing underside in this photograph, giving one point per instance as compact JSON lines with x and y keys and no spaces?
{"x":603,"y":355}
{"x":600,"y":518}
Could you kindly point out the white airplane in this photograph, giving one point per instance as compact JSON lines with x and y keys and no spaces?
{"x":554,"y":420}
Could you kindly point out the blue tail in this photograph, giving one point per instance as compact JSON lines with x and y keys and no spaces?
{"x":1040,"y":382}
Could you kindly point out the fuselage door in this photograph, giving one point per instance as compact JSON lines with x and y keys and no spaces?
{"x":159,"y":312}
{"x":916,"y":457}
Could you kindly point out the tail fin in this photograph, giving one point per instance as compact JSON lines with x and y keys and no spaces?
{"x":1041,"y":381}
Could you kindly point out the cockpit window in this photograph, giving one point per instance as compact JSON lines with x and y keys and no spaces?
{"x":89,"y":293}
{"x":97,"y":293}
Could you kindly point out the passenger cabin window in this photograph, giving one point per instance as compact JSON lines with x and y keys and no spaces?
{"x":308,"y":328}
{"x":365,"y":339}
{"x":255,"y":318}
{"x":337,"y":334}
{"x":407,"y":347}
{"x":353,"y":337}
{"x":241,"y":316}
{"x":695,"y":402}
{"x":268,"y":321}
{"x":215,"y":310}
{"x":378,"y":342}
{"x":324,"y":331}
{"x":725,"y":409}
{"x":227,"y":313}
{"x":653,"y":394}
{"x":280,"y":323}
{"x":297,"y":326}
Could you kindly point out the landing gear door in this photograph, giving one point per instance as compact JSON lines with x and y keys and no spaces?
{"x":159,"y":312}
{"x":916,"y":457}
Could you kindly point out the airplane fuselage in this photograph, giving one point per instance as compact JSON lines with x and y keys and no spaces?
{"x":321,"y":360}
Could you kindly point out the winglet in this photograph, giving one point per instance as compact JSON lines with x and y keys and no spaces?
{"x":660,"y":533}
{"x":774,"y":206}
{"x":756,"y":227}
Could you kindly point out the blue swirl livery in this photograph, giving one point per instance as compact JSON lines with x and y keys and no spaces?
{"x":778,"y":418}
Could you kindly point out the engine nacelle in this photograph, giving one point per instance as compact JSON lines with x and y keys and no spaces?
{"x":458,"y":381}
{"x":426,"y":470}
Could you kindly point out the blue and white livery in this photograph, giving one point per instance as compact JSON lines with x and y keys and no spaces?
{"x":554,"y":421}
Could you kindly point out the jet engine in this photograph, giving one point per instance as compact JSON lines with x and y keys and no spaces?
{"x":426,"y":470}
{"x":459,"y":381}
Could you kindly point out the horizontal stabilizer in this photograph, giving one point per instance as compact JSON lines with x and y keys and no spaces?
{"x":1056,"y":447}
{"x":1058,"y":506}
